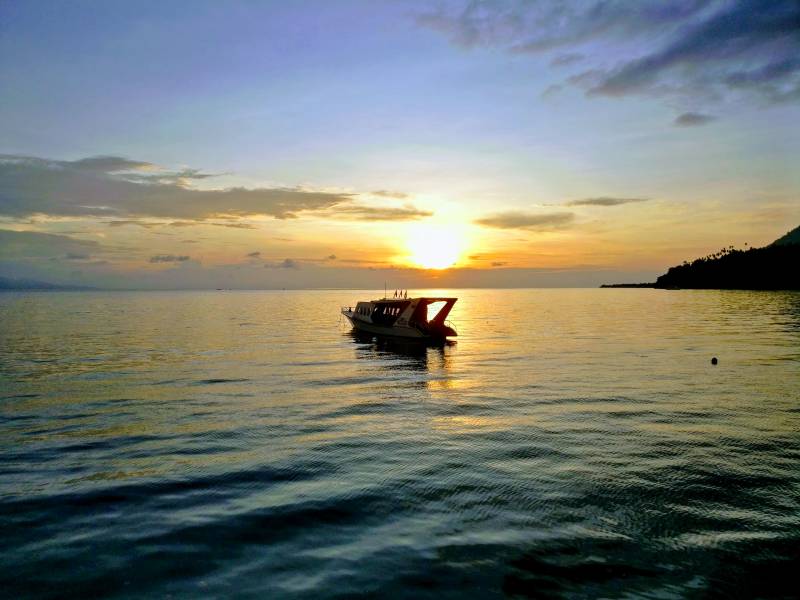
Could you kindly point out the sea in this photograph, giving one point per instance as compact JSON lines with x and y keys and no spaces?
{"x":569,"y":443}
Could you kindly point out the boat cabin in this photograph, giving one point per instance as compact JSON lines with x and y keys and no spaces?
{"x":411,"y":312}
{"x":405,"y":317}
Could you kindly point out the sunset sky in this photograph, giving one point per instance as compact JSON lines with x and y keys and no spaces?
{"x":346,"y":143}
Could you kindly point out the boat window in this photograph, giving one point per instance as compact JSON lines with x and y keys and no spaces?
{"x":434,"y":308}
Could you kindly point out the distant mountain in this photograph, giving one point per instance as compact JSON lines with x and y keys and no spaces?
{"x":8,"y":284}
{"x":793,"y":237}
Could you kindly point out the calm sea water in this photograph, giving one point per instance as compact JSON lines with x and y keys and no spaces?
{"x":574,"y":443}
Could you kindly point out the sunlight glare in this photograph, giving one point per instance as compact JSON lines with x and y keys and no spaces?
{"x":435,"y":246}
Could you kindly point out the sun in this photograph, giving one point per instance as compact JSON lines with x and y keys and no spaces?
{"x":434,"y":246}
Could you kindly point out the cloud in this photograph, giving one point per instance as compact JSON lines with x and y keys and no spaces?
{"x":184,"y":223}
{"x":168,"y":258}
{"x":528,"y":221}
{"x":768,"y":78}
{"x":689,"y":49}
{"x":151,"y":224}
{"x":605,"y":201}
{"x":564,"y":60}
{"x":331,"y":257}
{"x":389,"y":194}
{"x":103,"y":187}
{"x":136,"y":170}
{"x":76,"y":256}
{"x":234,"y":225}
{"x":123,"y":223}
{"x":534,"y":27}
{"x":498,"y":263}
{"x":692,"y":119}
{"x":552,"y":91}
{"x":286,"y":263}
{"x":359,"y":261}
{"x":111,"y":164}
{"x":254,"y":254}
{"x":32,"y":244}
{"x":761,"y":33}
{"x":182,"y":178}
{"x":373,"y":213}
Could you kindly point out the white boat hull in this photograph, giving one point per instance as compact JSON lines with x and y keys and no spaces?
{"x":403,"y":332}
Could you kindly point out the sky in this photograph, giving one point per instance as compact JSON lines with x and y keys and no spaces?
{"x":348,"y":144}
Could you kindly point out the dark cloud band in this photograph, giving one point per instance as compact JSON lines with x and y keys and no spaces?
{"x":692,"y":49}
{"x":691,"y":119}
{"x":98,"y":187}
{"x":605,"y":201}
{"x":528,"y":221}
{"x":168,"y":258}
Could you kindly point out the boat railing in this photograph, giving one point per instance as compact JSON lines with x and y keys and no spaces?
{"x":451,"y":325}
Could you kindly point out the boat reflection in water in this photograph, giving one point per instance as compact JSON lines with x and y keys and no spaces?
{"x":416,"y":355}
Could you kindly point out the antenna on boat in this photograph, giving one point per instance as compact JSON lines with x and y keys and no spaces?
{"x":384,"y":290}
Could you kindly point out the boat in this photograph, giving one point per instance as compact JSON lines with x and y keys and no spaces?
{"x":403,"y":317}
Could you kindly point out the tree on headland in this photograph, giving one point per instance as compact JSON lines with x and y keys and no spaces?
{"x":773,"y":267}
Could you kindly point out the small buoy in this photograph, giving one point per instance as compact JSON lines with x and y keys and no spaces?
{"x":714,"y":360}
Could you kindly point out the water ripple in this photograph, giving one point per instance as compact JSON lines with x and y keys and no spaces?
{"x":589,"y":451}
